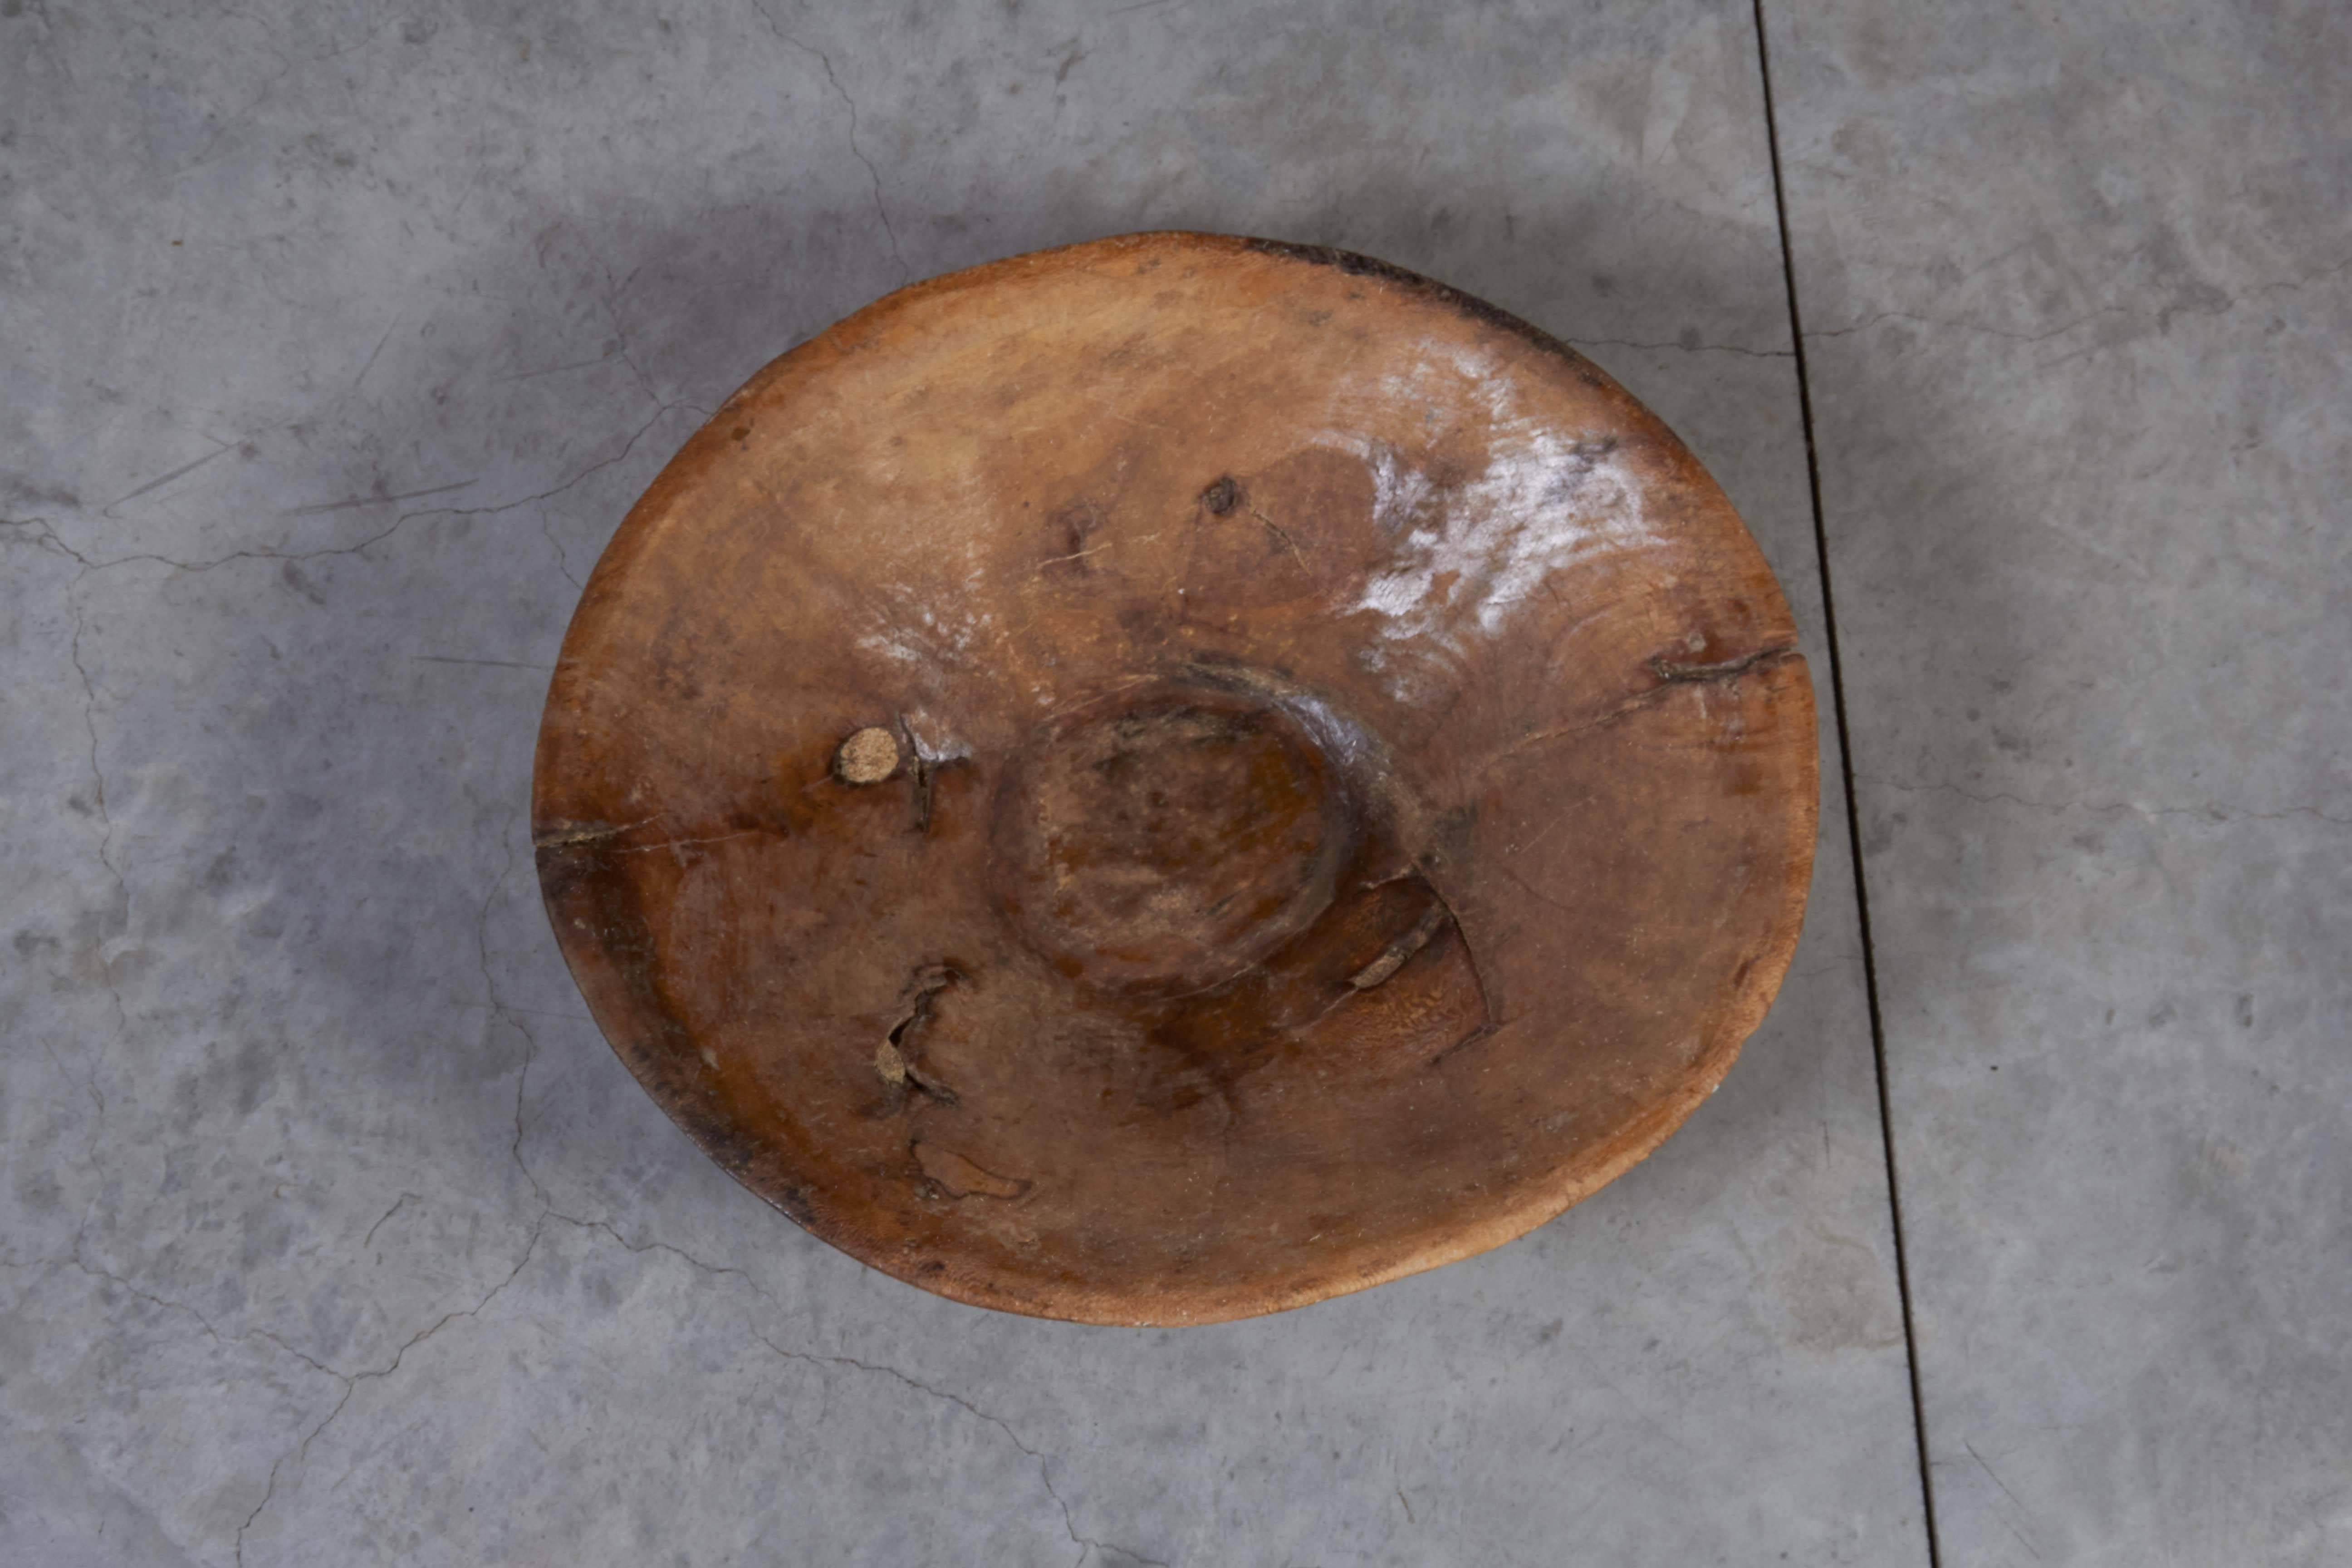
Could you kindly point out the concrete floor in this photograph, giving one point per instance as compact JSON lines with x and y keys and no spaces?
{"x":338,"y":337}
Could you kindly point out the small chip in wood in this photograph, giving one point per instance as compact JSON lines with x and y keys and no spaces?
{"x":867,"y":757}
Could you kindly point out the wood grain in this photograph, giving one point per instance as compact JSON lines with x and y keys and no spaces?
{"x":1175,"y":777}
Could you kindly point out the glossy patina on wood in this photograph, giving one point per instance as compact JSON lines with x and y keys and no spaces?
{"x":1175,"y":777}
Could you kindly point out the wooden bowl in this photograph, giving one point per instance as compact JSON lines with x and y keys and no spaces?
{"x":1174,"y":777}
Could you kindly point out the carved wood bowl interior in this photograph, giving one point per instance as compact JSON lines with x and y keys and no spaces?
{"x":1175,"y":777}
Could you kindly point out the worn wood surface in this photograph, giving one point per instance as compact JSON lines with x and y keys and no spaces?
{"x":1175,"y":777}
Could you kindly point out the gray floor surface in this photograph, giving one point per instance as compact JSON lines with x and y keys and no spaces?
{"x":337,"y":340}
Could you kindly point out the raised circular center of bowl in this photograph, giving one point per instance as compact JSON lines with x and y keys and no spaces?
{"x":1169,"y":838}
